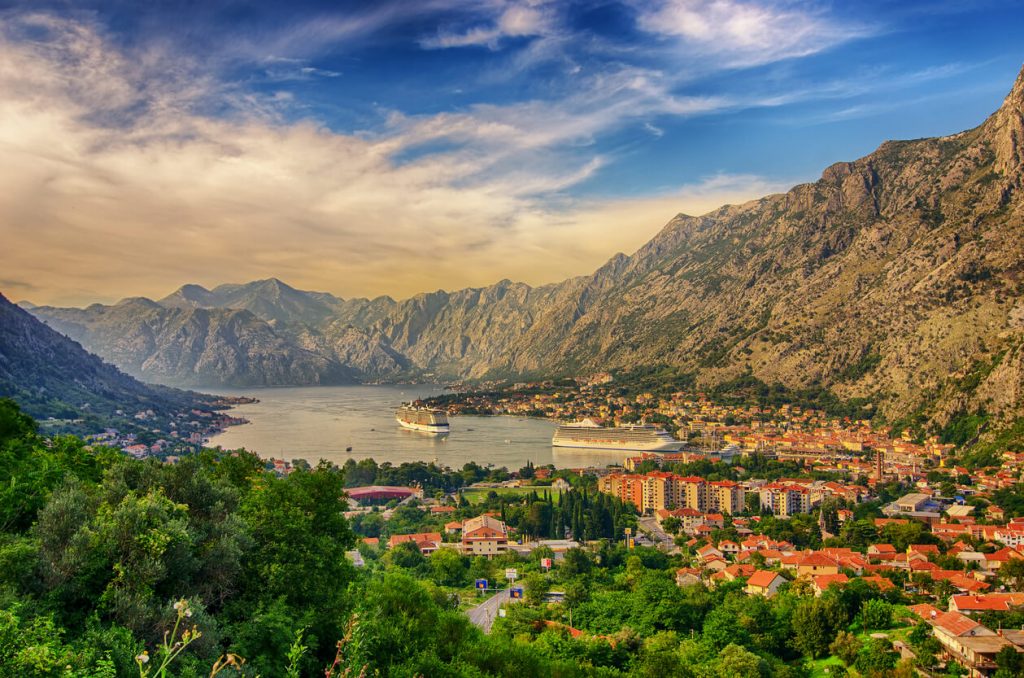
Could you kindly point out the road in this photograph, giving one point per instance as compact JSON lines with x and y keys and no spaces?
{"x":484,"y":614}
{"x":662,"y":539}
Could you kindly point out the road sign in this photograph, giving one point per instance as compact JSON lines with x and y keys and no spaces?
{"x":516,"y":592}
{"x":511,"y":573}
{"x":481,"y":584}
{"x":628,"y":531}
{"x":545,"y":563}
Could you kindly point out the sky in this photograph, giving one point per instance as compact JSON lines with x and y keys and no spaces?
{"x":368,"y":148}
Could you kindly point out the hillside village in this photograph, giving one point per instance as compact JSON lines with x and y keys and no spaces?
{"x":802,"y":502}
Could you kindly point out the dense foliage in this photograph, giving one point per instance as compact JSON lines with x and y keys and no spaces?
{"x":101,"y":555}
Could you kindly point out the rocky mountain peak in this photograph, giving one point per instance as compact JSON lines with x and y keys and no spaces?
{"x":1016,"y":95}
{"x":1006,"y":131}
{"x":274,"y":285}
{"x":187,"y":296}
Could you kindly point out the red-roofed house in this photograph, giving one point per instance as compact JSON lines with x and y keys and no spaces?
{"x":993,"y":561}
{"x":815,"y":564}
{"x":988,"y":602}
{"x":733,"y":572}
{"x":428,"y":542}
{"x":484,"y":535}
{"x":764,"y":583}
{"x":882,"y":551}
{"x":881,"y":583}
{"x":687,"y":576}
{"x":821,"y":583}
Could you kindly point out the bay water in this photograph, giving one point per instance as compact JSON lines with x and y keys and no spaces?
{"x":322,"y":422}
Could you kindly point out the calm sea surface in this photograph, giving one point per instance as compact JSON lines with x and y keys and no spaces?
{"x":320,"y":422}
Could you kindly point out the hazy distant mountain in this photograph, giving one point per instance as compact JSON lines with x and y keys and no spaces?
{"x":270,"y":300}
{"x":194,"y":346}
{"x":897,"y":276}
{"x":51,"y":375}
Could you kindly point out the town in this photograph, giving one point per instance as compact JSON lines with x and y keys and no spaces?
{"x":802,"y":503}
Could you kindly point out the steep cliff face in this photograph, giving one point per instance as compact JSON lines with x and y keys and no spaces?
{"x":884,"y":277}
{"x":51,"y":375}
{"x":891,"y":277}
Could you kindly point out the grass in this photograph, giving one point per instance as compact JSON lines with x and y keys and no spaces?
{"x":816,"y":668}
{"x":478,"y":495}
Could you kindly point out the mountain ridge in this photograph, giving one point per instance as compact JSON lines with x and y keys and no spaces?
{"x":880,"y":280}
{"x":51,"y":375}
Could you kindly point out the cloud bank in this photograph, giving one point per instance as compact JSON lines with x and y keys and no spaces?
{"x":133,"y":168}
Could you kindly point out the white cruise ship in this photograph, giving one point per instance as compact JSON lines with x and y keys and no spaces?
{"x":418,"y":418}
{"x":638,"y":437}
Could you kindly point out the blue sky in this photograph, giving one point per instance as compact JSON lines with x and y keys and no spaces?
{"x":382,"y":147}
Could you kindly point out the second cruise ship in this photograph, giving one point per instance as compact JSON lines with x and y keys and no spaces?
{"x":634,"y":437}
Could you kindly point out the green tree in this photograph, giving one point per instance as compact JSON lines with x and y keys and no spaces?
{"x":535,"y":587}
{"x":1012,"y":573}
{"x":448,"y":567}
{"x":722,"y":628}
{"x":300,"y":537}
{"x":735,"y":661}
{"x":1010,"y":663}
{"x":671,"y":524}
{"x":846,"y":646}
{"x":876,"y":614}
{"x":876,"y":656}
{"x":407,"y":555}
{"x":815,"y":624}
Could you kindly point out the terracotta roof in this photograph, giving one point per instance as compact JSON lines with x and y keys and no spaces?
{"x":740,"y":570}
{"x":954,"y":623}
{"x":484,"y":521}
{"x":922,"y":548}
{"x":419,"y":538}
{"x":882,"y":583}
{"x":1003,"y":555}
{"x":823,"y":581}
{"x":762,"y":578}
{"x":987,"y":602}
{"x":926,"y":611}
{"x":817,"y":560}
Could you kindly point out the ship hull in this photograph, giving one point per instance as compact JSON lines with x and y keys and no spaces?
{"x":436,"y":429}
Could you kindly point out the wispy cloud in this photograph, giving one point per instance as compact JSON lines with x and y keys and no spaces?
{"x":129,"y":166}
{"x":505,"y":20}
{"x":179,"y":195}
{"x":747,"y":32}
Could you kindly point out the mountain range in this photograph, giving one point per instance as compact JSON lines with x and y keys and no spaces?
{"x":896,"y":277}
